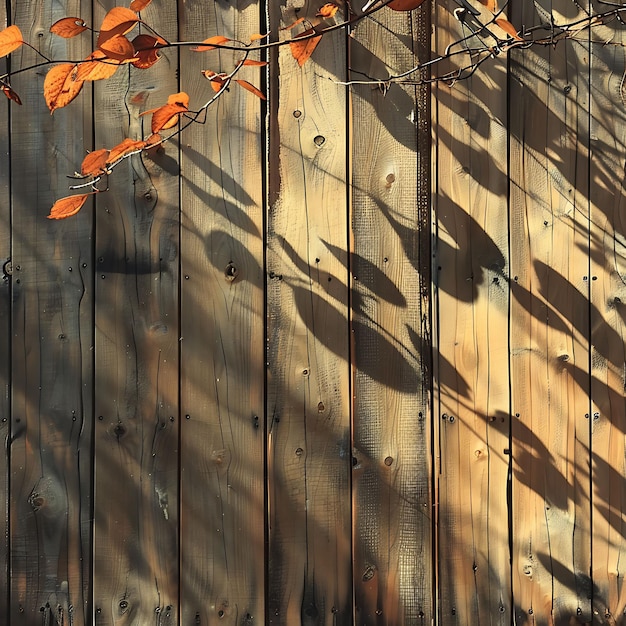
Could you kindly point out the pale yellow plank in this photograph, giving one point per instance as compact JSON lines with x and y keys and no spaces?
{"x":471,"y":374}
{"x":549,"y":331}
{"x":309,"y":456}
{"x":222,"y":332}
{"x":390,"y":262}
{"x":608,"y":339}
{"x":136,"y":443}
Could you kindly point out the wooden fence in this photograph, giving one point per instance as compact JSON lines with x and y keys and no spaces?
{"x":353,"y":356}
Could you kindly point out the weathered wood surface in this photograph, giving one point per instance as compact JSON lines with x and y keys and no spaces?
{"x":136,"y":453}
{"x":222,"y":333}
{"x":390,"y":270}
{"x":308,"y":394}
{"x":470,"y":372}
{"x":52,"y":334}
{"x":608,"y":333}
{"x":550,"y":327}
{"x":219,"y":394}
{"x":5,"y":330}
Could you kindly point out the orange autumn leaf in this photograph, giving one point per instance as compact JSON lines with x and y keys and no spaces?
{"x":211,"y":42}
{"x":124,"y":148}
{"x":507,"y":27}
{"x":97,"y":66}
{"x":405,"y":5}
{"x":328,"y":10}
{"x":254,"y":63}
{"x":180,"y":98}
{"x":117,"y":22}
{"x":139,"y":5}
{"x":10,"y":93}
{"x":147,"y":54}
{"x":10,"y":40}
{"x":302,"y":50}
{"x":251,"y":88}
{"x":118,"y":48}
{"x":217,"y":80}
{"x":492,"y":5}
{"x":119,"y":18}
{"x":153,"y":140}
{"x":298,"y":21}
{"x":68,"y":27}
{"x":258,"y":37}
{"x":61,"y":86}
{"x":66,"y":207}
{"x":167,"y":116}
{"x":95,"y":163}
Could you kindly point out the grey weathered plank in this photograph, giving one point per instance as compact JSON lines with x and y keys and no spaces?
{"x":308,"y":430}
{"x":52,"y":293}
{"x":608,"y":339}
{"x":471,"y":319}
{"x":390,"y":266}
{"x":222,"y":332}
{"x":549,"y":327}
{"x":136,"y":560}
{"x":5,"y":330}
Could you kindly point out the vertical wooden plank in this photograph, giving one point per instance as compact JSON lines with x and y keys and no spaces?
{"x":52,"y":291}
{"x":608,"y":338}
{"x":309,"y":455}
{"x":550,"y":326}
{"x":136,"y":560}
{"x":5,"y":331}
{"x":222,"y":349}
{"x":471,"y":354}
{"x":390,"y":263}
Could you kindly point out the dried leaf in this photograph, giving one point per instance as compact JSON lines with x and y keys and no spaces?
{"x":66,"y":207}
{"x":217,"y":80}
{"x":405,"y":5}
{"x":251,"y":88}
{"x":139,"y":5}
{"x":167,"y":116}
{"x":97,"y":66}
{"x":10,"y":93}
{"x":506,"y":26}
{"x":124,"y":148}
{"x":147,"y":54}
{"x":492,"y":5}
{"x":302,"y":50}
{"x":328,"y":10}
{"x":119,"y":17}
{"x":117,"y":22}
{"x":216,"y":40}
{"x":118,"y":48}
{"x":254,"y":63}
{"x":298,"y":21}
{"x":95,"y":162}
{"x":258,"y":37}
{"x":10,"y":40}
{"x":61,"y":86}
{"x":153,"y":140}
{"x":68,"y":27}
{"x":181,"y":98}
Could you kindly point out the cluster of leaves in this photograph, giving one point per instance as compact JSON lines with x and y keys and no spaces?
{"x":65,"y":80}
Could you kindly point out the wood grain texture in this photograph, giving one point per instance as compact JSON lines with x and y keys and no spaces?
{"x":308,"y":430}
{"x":136,"y":565}
{"x":52,"y":308}
{"x":222,"y":332}
{"x":471,"y":337}
{"x":608,"y":334}
{"x":550,"y":328}
{"x":5,"y":332}
{"x":390,"y":267}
